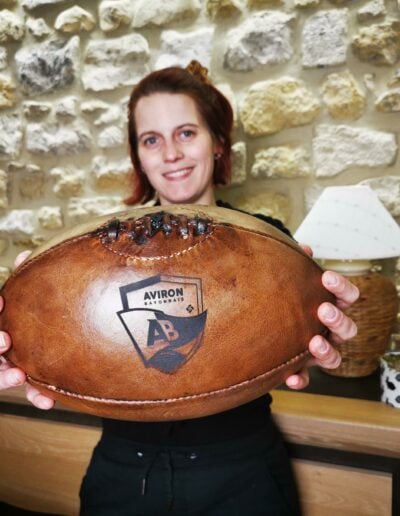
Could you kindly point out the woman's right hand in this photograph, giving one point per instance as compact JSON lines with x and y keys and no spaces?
{"x":13,"y":376}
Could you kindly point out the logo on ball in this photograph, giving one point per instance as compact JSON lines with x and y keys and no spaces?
{"x":165,"y":319}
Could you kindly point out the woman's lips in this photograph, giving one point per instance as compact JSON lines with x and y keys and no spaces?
{"x":177,"y":175}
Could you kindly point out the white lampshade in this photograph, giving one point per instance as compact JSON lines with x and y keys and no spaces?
{"x":350,"y":223}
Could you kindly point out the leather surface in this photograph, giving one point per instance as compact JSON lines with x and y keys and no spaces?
{"x":137,"y":322}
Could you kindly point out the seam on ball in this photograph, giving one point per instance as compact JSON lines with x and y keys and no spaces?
{"x":168,"y":400}
{"x":156,"y":258}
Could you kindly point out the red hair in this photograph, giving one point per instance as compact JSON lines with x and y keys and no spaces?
{"x":213,"y":107}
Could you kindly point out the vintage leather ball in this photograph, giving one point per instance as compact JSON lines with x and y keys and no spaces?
{"x":155,"y":316}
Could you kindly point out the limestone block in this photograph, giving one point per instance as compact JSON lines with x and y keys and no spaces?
{"x":3,"y":245}
{"x":15,"y":167}
{"x":260,"y":4}
{"x":19,"y":224}
{"x":83,"y":209}
{"x":114,"y":14}
{"x":227,"y":91}
{"x":264,"y":38}
{"x":324,"y":38}
{"x":32,"y":4}
{"x":7,"y":92}
{"x":115,"y":62}
{"x":341,"y":147}
{"x":111,"y":137}
{"x":306,"y":3}
{"x":3,"y":58}
{"x":217,"y":9}
{"x":371,"y":10}
{"x":74,"y":20}
{"x":378,"y":44}
{"x":3,"y":189}
{"x":282,"y":161}
{"x":10,"y":136}
{"x":58,"y":139}
{"x":271,"y":106}
{"x":388,"y":190}
{"x":4,"y":274}
{"x":47,"y":67}
{"x":369,"y":82}
{"x":34,"y":110}
{"x":35,"y":241}
{"x":267,"y":202}
{"x":343,"y":96}
{"x":68,"y":181}
{"x":179,"y":48}
{"x":111,"y":174}
{"x":160,"y":12}
{"x":50,"y":217}
{"x":38,"y":27}
{"x":67,"y":107}
{"x":31,"y":183}
{"x":12,"y":27}
{"x":239,"y":161}
{"x":389,"y":102}
{"x":92,"y":106}
{"x":395,"y":80}
{"x":111,"y":116}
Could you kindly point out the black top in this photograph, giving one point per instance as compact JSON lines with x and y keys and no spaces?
{"x":231,"y":424}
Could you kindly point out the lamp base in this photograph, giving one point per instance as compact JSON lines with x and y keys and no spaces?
{"x":375,"y":314}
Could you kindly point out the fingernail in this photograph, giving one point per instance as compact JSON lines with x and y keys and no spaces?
{"x":3,"y":343}
{"x":323,"y":347}
{"x":292,"y":382}
{"x":331,"y":278}
{"x":329,"y":312}
{"x":15,"y":379}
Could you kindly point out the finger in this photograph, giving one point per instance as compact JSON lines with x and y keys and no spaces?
{"x":324,"y":354}
{"x":299,"y":380}
{"x":22,"y":257}
{"x":11,"y":377}
{"x":345,"y":292}
{"x":341,"y":326}
{"x":307,"y":249}
{"x":38,"y":399}
{"x":5,"y":342}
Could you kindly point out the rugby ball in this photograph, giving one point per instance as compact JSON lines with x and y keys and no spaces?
{"x":154,"y":315}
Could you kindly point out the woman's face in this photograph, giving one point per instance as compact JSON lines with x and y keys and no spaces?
{"x":175,"y":148}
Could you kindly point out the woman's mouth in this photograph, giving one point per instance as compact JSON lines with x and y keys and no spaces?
{"x":176,"y":175}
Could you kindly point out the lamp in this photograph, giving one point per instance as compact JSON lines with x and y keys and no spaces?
{"x":346,"y":228}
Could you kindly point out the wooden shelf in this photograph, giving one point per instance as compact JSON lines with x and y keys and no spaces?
{"x":346,"y":453}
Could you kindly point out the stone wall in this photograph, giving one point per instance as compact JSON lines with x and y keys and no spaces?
{"x":315,"y":85}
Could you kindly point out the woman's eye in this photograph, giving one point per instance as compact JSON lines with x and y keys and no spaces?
{"x":149,"y":141}
{"x":187,"y":133}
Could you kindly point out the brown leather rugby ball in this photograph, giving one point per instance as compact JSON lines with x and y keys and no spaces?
{"x":154,"y":316}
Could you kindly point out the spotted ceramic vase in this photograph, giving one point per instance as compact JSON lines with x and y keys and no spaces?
{"x":390,"y":378}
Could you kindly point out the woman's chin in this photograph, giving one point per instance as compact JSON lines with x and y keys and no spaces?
{"x":185,"y":196}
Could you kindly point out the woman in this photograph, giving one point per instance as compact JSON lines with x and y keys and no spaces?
{"x":230,"y":463}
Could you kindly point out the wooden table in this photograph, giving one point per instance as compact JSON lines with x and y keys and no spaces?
{"x":345,"y":450}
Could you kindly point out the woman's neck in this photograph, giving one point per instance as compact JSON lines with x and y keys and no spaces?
{"x":206,"y":199}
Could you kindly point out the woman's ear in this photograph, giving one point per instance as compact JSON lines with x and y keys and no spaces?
{"x":218,"y":148}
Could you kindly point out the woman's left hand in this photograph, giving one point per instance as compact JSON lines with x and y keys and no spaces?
{"x":341,"y":328}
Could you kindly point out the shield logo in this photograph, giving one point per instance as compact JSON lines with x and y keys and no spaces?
{"x":165,"y":319}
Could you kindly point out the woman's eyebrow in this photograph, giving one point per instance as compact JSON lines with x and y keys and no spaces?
{"x":154,"y":131}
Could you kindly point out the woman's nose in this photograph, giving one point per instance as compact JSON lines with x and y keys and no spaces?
{"x":172,"y":151}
